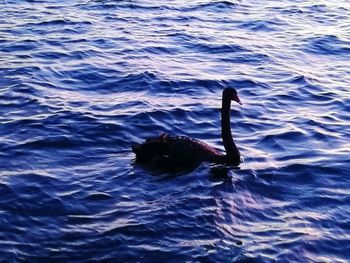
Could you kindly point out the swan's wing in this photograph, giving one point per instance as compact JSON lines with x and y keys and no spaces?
{"x":189,"y":150}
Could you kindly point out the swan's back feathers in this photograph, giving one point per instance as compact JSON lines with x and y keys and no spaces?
{"x":189,"y":149}
{"x":178,"y":150}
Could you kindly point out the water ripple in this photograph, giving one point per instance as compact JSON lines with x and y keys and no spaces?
{"x":80,"y":81}
{"x":328,"y":45}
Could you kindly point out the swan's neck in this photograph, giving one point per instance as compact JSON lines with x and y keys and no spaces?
{"x":232,"y":153}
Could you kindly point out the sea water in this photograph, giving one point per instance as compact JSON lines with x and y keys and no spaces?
{"x":80,"y":81}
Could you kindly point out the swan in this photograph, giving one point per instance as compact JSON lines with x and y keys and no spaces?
{"x":168,"y":151}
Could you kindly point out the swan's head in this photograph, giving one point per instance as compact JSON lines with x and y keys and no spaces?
{"x":232,"y":94}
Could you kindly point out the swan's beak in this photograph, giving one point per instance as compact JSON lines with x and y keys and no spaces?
{"x":236,"y":99}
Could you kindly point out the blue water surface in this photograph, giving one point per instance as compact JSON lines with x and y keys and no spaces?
{"x":80,"y":81}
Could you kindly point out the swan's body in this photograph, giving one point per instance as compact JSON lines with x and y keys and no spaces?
{"x":168,"y":151}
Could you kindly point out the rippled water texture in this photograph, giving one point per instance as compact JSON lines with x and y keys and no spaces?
{"x":80,"y":81}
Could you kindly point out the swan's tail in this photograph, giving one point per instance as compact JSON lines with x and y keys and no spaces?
{"x":136,"y":148}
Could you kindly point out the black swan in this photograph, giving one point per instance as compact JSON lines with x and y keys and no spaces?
{"x":168,"y":151}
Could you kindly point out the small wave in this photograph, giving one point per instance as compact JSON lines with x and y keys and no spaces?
{"x":263,"y":25}
{"x":58,"y":22}
{"x":19,"y":46}
{"x":106,"y":81}
{"x":28,"y":195}
{"x":218,"y":48}
{"x":21,"y":71}
{"x":50,"y":55}
{"x":318,"y":8}
{"x":292,"y":9}
{"x":248,"y":58}
{"x":307,"y":89}
{"x":137,"y":81}
{"x":8,"y":195}
{"x":328,"y":45}
{"x":98,"y":196}
{"x":183,"y":36}
{"x":158,"y":50}
{"x":57,"y":142}
{"x":133,"y":6}
{"x":213,"y":6}
{"x":190,"y":86}
{"x":87,"y":77}
{"x":124,"y":5}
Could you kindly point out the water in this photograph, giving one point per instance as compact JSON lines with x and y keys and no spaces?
{"x":80,"y":81}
